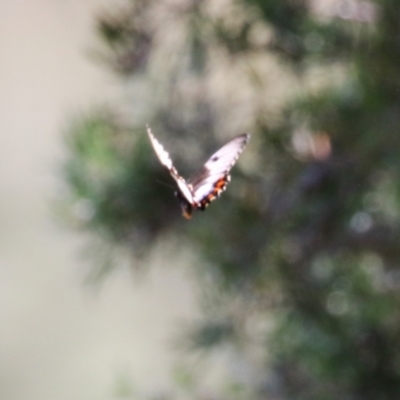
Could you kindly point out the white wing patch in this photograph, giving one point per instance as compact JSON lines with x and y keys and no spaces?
{"x":165,"y":160}
{"x":217,"y":167}
{"x":162,"y":154}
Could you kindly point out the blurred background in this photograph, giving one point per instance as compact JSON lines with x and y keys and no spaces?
{"x":59,"y":337}
{"x":285,"y":288}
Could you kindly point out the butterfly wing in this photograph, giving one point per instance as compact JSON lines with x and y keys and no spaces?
{"x":166,"y":161}
{"x":162,"y":154}
{"x":213,"y":177}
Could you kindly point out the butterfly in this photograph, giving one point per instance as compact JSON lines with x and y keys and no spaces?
{"x":210,"y":181}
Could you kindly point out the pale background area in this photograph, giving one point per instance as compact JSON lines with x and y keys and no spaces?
{"x":59,"y":340}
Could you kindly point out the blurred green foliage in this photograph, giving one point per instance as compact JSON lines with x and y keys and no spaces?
{"x":303,"y":248}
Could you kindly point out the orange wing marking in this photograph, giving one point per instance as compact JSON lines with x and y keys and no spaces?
{"x":219,"y":187}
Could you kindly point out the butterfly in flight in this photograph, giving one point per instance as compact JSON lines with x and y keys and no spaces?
{"x":210,"y":181}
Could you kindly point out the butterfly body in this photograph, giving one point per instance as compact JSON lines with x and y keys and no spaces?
{"x":207,"y":184}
